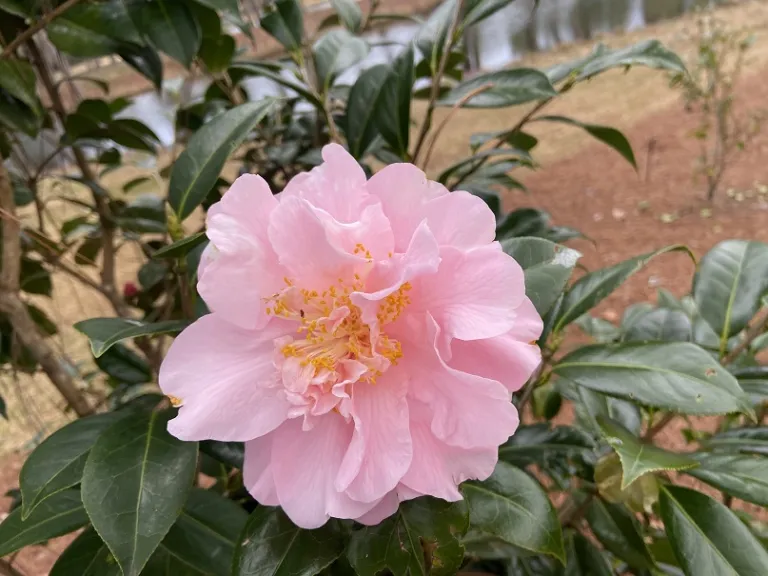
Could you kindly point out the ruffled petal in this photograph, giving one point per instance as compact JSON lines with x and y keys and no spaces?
{"x":474,"y":293}
{"x":380,"y":451}
{"x":305,"y":465}
{"x":257,"y":471}
{"x":239,"y":267}
{"x":383,"y":510}
{"x":226,"y":380}
{"x":461,"y":220}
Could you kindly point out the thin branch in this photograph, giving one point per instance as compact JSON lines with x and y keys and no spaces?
{"x":757,"y":328}
{"x":36,"y":27}
{"x":435,"y":88}
{"x":660,"y":425}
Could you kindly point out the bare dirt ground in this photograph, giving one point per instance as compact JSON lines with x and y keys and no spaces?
{"x":581,"y":183}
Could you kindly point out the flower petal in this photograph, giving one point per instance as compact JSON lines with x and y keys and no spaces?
{"x":468,"y":411}
{"x":239,"y":267}
{"x":380,"y":451}
{"x":474,"y":293}
{"x":305,"y":465}
{"x":461,"y":220}
{"x":226,"y":380}
{"x":437,"y":468}
{"x":383,"y":510}
{"x":336,"y":186}
{"x":257,"y":471}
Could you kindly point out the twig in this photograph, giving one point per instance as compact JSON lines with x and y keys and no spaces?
{"x":757,"y":328}
{"x":36,"y":27}
{"x":571,"y":512}
{"x":18,"y":315}
{"x":660,"y":425}
{"x":448,"y":117}
{"x":435,"y":88}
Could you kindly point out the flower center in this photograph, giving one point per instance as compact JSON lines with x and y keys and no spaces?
{"x":332,"y":330}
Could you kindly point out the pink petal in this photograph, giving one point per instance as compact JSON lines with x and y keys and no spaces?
{"x":468,"y":411}
{"x":372,"y":231}
{"x":460,"y":220}
{"x":437,"y":468}
{"x":226,"y":380}
{"x":383,"y":510}
{"x":403,"y":190}
{"x":239,"y":267}
{"x":336,"y":186}
{"x":305,"y":465}
{"x":257,"y":471}
{"x":474,"y":294}
{"x":380,"y":451}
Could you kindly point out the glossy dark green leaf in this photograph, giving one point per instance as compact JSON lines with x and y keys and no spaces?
{"x":513,"y":507}
{"x":144,"y":214}
{"x":46,"y":325}
{"x":58,"y":462}
{"x":547,"y":267}
{"x":217,"y":52}
{"x":505,"y":88}
{"x":592,"y":288}
{"x":431,"y":37}
{"x":230,"y":453}
{"x":746,"y":440}
{"x":677,"y":376}
{"x":60,"y":514}
{"x":3,"y":408}
{"x":15,"y":7}
{"x":171,"y":27}
{"x":90,"y":30}
{"x":740,"y":475}
{"x":18,"y":79}
{"x":707,"y":538}
{"x":605,"y":134}
{"x":145,"y":60}
{"x":639,"y":458}
{"x":34,"y":278}
{"x":124,"y":366}
{"x":106,"y":332}
{"x":477,"y":10}
{"x":523,"y":222}
{"x":536,"y":443}
{"x":206,"y":533}
{"x":728,"y":285}
{"x":136,"y":480}
{"x":650,"y":53}
{"x":398,"y":543}
{"x":584,"y":559}
{"x":87,"y":555}
{"x":18,"y":117}
{"x":379,"y":104}
{"x":181,"y":247}
{"x":229,"y":7}
{"x":590,"y":404}
{"x":349,"y":13}
{"x":267,"y":71}
{"x":515,"y":139}
{"x":460,"y":168}
{"x":285,"y":23}
{"x":618,"y":530}
{"x":601,"y":330}
{"x":271,"y":545}
{"x":199,"y":165}
{"x":660,"y":325}
{"x":334,"y":52}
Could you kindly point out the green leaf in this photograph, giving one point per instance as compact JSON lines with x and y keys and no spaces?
{"x":584,"y":559}
{"x":398,"y":544}
{"x":514,"y":138}
{"x":171,"y":27}
{"x":523,"y":222}
{"x":349,"y":13}
{"x":638,"y":458}
{"x":46,"y":325}
{"x":60,"y":514}
{"x":15,"y":7}
{"x":431,"y":37}
{"x":547,"y":267}
{"x":516,"y":158}
{"x":590,"y":404}
{"x":136,"y":479}
{"x":181,"y":247}
{"x":618,"y":531}
{"x":17,"y":117}
{"x":678,"y":376}
{"x":18,"y":79}
{"x":206,"y":533}
{"x":124,"y":365}
{"x":90,"y":30}
{"x":660,"y":325}
{"x":650,"y":53}
{"x":592,"y":288}
{"x":199,"y":165}
{"x":217,"y":53}
{"x":58,"y":462}
{"x":106,"y":332}
{"x":707,"y":538}
{"x":87,"y":555}
{"x":145,"y":60}
{"x":728,"y":285}
{"x":537,"y":443}
{"x":513,"y":507}
{"x":600,"y":330}
{"x":477,"y":10}
{"x":230,"y":453}
{"x":285,"y":23}
{"x":34,"y":278}
{"x":271,"y":545}
{"x":506,"y":88}
{"x":267,"y":71}
{"x":742,"y":476}
{"x":380,"y":103}
{"x":334,"y":52}
{"x":226,"y":6}
{"x":746,"y":440}
{"x":605,"y":134}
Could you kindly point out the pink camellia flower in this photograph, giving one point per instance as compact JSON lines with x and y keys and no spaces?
{"x":364,"y":340}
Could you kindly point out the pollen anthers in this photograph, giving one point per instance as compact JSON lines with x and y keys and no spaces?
{"x":332,"y":329}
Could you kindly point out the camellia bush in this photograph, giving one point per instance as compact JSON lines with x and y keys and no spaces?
{"x":352,"y":368}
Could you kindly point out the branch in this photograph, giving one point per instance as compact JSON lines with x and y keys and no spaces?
{"x":36,"y":27}
{"x":10,"y":303}
{"x":757,"y":328}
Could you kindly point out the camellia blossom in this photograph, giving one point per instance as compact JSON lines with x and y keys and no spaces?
{"x":364,"y":341}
